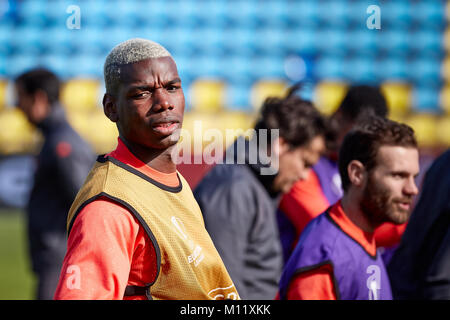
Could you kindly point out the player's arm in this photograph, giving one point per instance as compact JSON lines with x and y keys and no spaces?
{"x":99,"y":253}
{"x":316,"y":284}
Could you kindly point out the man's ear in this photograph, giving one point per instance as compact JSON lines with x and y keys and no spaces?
{"x":356,"y":172}
{"x":110,"y":107}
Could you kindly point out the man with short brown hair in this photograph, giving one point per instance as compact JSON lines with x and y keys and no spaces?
{"x":336,"y":256}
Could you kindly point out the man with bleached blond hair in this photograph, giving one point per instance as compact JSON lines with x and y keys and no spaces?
{"x":135,"y":229}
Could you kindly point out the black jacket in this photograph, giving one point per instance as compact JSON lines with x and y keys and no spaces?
{"x":62,"y":166}
{"x":420,"y":267}
{"x":239,"y":210}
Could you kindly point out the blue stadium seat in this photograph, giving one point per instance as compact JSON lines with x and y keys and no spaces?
{"x":302,"y":40}
{"x":362,"y":41}
{"x":56,"y":12}
{"x":394,"y":41}
{"x":425,"y":70}
{"x":273,"y":14}
{"x":32,"y":12}
{"x":267,"y":66}
{"x":127,"y":13}
{"x":393,"y":69}
{"x":239,"y":41}
{"x":237,"y":96}
{"x":85,"y":65}
{"x":88,"y":40}
{"x":205,"y":66}
{"x":269,"y":40}
{"x":305,"y":13}
{"x":214,"y":13}
{"x":243,"y":14}
{"x":2,"y":66}
{"x":27,"y":39}
{"x":181,"y":12}
{"x":58,"y":39}
{"x":20,"y":63}
{"x":331,"y":40}
{"x":426,"y":41}
{"x":397,"y":13}
{"x":426,"y":98}
{"x":96,"y":13}
{"x":334,"y":14}
{"x":429,"y":14}
{"x":58,"y":63}
{"x":5,"y":38}
{"x":115,"y":35}
{"x":236,"y":68}
{"x":207,"y":40}
{"x":329,"y":67}
{"x":360,"y":69}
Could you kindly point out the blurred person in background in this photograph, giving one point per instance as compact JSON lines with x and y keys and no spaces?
{"x":336,"y":256}
{"x":135,"y":229}
{"x":420,"y":267}
{"x":322,"y":187}
{"x":63,"y":163}
{"x":239,"y":200}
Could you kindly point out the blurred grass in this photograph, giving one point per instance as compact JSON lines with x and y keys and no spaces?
{"x":16,"y":277}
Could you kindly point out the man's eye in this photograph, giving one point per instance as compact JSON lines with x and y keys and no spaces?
{"x":141,"y":94}
{"x":172,"y":88}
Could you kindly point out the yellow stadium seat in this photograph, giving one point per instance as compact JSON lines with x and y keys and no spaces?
{"x":95,"y":128}
{"x":103,"y":132}
{"x":424,"y":126}
{"x":3,"y":87}
{"x":398,"y":97}
{"x":203,"y":128}
{"x":17,"y":134}
{"x":208,"y":95}
{"x":195,"y":123}
{"x":445,"y":69}
{"x":328,"y":96}
{"x":266,"y":88}
{"x":81,"y":94}
{"x":445,"y":98}
{"x":447,"y":38}
{"x":443,"y":131}
{"x":79,"y":120}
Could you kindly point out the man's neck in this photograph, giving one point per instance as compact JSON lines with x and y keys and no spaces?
{"x":160,"y":160}
{"x":352,"y":209}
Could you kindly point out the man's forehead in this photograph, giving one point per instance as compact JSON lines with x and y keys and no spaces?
{"x":149,"y":70}
{"x":397,"y":157}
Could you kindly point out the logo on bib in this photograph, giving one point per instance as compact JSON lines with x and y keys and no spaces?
{"x":196,"y":255}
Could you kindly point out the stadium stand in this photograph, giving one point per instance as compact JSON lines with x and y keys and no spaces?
{"x":232,"y":54}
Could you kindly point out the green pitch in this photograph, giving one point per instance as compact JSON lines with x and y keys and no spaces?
{"x":16,"y":278}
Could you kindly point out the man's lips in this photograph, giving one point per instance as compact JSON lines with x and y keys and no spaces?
{"x":405,"y":204}
{"x":165,"y":127}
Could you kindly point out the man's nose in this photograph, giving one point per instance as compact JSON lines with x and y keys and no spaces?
{"x":161,"y":100}
{"x":411,"y":187}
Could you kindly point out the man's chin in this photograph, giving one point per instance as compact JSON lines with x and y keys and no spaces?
{"x":400,"y":217}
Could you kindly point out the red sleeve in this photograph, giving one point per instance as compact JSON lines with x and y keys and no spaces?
{"x":389,"y":234}
{"x":99,"y":253}
{"x":304,"y":202}
{"x":315,"y":284}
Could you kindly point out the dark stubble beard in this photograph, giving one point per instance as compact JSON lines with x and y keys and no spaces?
{"x":379,"y":207}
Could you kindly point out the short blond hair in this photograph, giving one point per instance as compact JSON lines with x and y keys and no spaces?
{"x":130,"y":51}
